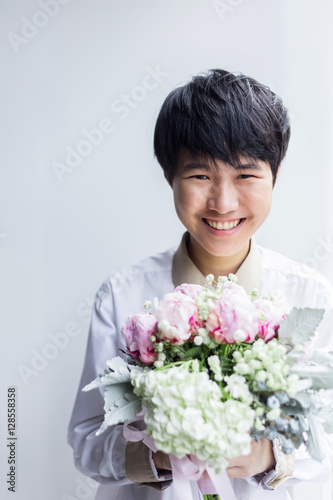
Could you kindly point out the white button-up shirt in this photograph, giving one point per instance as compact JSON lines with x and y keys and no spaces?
{"x":103,"y":457}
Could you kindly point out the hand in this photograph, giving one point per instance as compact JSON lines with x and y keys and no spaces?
{"x":161,"y":461}
{"x":261,"y":459}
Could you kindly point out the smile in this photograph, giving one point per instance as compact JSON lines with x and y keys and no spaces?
{"x":223,"y":225}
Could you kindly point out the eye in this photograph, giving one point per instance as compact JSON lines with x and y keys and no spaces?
{"x":245,"y":176}
{"x":200,"y":177}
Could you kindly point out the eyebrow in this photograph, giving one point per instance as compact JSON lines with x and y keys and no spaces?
{"x":195,"y":166}
{"x":204,"y":166}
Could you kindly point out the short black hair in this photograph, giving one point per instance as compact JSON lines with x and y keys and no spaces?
{"x":222,"y":115}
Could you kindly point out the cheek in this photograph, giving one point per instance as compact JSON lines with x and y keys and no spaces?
{"x":185,"y":200}
{"x":261,"y":201}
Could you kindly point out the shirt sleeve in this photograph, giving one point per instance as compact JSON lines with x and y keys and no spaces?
{"x":100,"y":457}
{"x":104,"y":457}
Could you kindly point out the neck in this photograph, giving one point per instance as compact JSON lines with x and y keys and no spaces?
{"x":212,"y":264}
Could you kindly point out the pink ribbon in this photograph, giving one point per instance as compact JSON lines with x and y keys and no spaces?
{"x":136,"y":435}
{"x":185,"y":469}
{"x":189,"y":469}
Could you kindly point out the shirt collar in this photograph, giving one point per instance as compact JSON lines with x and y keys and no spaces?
{"x":185,"y":271}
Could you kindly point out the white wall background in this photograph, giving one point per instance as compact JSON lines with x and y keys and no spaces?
{"x":60,"y":240}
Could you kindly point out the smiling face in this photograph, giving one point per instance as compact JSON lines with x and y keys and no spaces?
{"x":221,"y":207}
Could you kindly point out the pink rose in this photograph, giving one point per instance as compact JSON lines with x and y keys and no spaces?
{"x":178,"y":317}
{"x":189,"y":290}
{"x":232,"y":318}
{"x":269,"y":318}
{"x":137,"y":333}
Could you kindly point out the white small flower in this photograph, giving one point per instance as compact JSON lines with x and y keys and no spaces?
{"x":260,"y":376}
{"x":259,"y":411}
{"x":258,"y":424}
{"x":237,"y":355}
{"x":210,"y":278}
{"x":273,"y":402}
{"x":233,"y":277}
{"x":161,"y":356}
{"x":158,"y":364}
{"x":255,"y":365}
{"x":240,"y":335}
{"x":206,"y":339}
{"x":274,"y":414}
{"x":163,"y":325}
{"x":238,"y":388}
{"x":242,"y":368}
{"x":147,"y":304}
{"x":215,"y":366}
{"x":198,"y":340}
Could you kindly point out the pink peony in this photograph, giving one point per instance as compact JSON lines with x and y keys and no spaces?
{"x":231,"y":287}
{"x":269,"y":318}
{"x":231,"y":316}
{"x":178,"y":317}
{"x":189,"y":290}
{"x":137,"y":333}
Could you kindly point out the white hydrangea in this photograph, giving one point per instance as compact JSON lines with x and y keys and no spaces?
{"x":185,"y":415}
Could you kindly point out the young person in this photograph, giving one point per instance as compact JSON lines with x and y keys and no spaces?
{"x":220,"y":140}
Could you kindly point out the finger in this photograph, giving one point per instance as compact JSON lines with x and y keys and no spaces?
{"x":235,"y":472}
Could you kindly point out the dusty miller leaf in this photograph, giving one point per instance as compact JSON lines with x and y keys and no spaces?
{"x":128,"y":408}
{"x":116,"y":395}
{"x":300,"y":324}
{"x":120,"y":373}
{"x":320,"y":376}
{"x":322,"y":357}
{"x":315,"y":438}
{"x":326,"y":417}
{"x":303,"y":398}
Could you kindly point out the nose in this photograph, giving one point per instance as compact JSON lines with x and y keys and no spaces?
{"x":223,"y":197}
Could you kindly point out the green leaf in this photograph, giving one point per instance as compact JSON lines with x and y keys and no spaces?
{"x":299,"y":325}
{"x":194,"y":352}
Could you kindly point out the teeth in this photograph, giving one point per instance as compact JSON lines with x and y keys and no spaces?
{"x":223,"y":225}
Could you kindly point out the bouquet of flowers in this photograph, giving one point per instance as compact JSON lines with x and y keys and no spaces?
{"x":212,"y":368}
